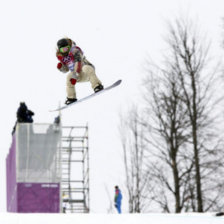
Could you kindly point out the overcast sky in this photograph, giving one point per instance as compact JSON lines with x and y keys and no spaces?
{"x":117,"y":36}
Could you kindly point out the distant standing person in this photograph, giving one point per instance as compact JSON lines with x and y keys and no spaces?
{"x":23,"y":115}
{"x":117,"y":199}
{"x":65,"y":201}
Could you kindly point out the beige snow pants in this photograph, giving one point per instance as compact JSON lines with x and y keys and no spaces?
{"x":87,"y":74}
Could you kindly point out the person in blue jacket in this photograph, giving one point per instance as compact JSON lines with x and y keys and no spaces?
{"x":117,"y":199}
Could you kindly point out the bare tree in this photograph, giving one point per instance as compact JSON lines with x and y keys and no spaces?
{"x":134,"y":160}
{"x":169,"y":127}
{"x":110,"y":207}
{"x":186,"y":92}
{"x":173,"y":148}
{"x":190,"y":55}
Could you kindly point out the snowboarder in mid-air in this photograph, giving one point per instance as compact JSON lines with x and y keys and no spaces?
{"x":72,"y":59}
{"x":117,"y":199}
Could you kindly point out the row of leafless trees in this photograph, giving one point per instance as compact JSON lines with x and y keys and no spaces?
{"x":172,"y":143}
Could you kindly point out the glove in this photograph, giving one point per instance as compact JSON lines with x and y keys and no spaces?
{"x":115,"y":205}
{"x":59,"y":65}
{"x":62,"y":68}
{"x":73,"y":81}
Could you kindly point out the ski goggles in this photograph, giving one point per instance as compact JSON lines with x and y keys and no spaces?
{"x":64,"y":49}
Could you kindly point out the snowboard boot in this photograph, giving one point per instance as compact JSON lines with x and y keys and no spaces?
{"x":98,"y":88}
{"x":70,"y":100}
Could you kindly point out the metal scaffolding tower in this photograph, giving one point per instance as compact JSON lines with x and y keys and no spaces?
{"x":75,"y":169}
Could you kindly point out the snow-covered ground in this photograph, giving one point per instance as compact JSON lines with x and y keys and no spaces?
{"x":191,"y":218}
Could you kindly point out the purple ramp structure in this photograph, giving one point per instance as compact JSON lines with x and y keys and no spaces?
{"x":33,"y":169}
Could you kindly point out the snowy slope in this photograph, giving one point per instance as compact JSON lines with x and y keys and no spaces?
{"x":7,"y":218}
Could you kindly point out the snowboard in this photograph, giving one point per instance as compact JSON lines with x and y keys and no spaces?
{"x":117,"y":83}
